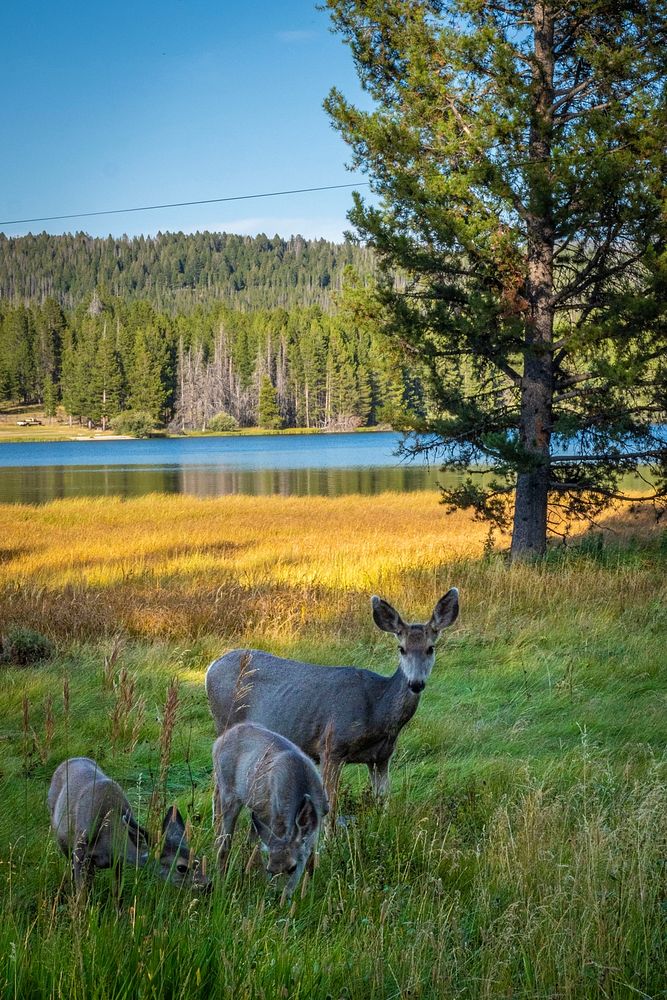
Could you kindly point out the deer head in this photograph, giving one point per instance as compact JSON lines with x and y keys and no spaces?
{"x":416,"y":642}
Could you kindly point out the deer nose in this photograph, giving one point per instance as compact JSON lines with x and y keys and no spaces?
{"x":417,"y":686}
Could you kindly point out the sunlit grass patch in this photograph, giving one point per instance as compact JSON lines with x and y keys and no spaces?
{"x":175,"y":566}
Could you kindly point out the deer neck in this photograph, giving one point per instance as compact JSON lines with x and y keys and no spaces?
{"x":398,"y":703}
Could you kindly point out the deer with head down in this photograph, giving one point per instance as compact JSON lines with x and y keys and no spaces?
{"x":94,"y":826}
{"x":268,"y":774}
{"x":336,"y":715}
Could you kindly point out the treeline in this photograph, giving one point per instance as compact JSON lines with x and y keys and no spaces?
{"x":274,"y":367}
{"x":177,"y":272}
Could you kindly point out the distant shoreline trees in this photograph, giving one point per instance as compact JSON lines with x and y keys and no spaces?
{"x":272,"y":367}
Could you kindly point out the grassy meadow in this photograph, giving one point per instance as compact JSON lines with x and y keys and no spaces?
{"x":523,"y":852}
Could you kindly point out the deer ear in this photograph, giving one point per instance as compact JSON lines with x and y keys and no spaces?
{"x":446,"y":611}
{"x":306,"y":818}
{"x":386,"y":617}
{"x":173,"y":825}
{"x":134,"y":831}
{"x":261,"y":829}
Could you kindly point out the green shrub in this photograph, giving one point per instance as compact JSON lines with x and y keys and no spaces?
{"x":23,"y":646}
{"x":138,"y":423}
{"x":223,"y":422}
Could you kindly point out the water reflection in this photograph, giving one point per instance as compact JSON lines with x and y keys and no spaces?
{"x":38,"y":484}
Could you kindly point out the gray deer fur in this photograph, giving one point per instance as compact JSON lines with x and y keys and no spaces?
{"x":268,"y":774}
{"x":336,"y":715}
{"x":93,"y":823}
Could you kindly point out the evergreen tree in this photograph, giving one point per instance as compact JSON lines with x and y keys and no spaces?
{"x":268,"y":412}
{"x":310,"y":372}
{"x":16,"y":355}
{"x":73,"y":379}
{"x":108,"y":378}
{"x":517,"y":149}
{"x":50,"y":397}
{"x":147,"y":392}
{"x":49,"y":329}
{"x":86,"y":375}
{"x":348,"y":390}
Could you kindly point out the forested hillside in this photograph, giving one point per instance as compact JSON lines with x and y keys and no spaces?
{"x":177,"y":272}
{"x":269,"y":367}
{"x":186,"y":328}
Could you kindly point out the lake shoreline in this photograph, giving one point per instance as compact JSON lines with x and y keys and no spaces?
{"x":14,"y":436}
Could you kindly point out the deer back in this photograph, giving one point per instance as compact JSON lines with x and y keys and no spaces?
{"x":267,"y":773}
{"x":89,"y":807}
{"x":301,"y":701}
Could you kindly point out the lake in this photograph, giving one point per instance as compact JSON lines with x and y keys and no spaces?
{"x":291,"y":465}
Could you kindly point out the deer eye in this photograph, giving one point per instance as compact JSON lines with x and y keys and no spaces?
{"x":401,"y":650}
{"x":182,"y":869}
{"x":430,"y":650}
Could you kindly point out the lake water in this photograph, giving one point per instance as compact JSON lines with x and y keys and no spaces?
{"x":295,"y":464}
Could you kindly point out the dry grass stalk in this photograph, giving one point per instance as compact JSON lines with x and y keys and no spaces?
{"x":168,"y":724}
{"x":110,"y":661}
{"x":242,"y":687}
{"x":66,"y":698}
{"x":43,"y":747}
{"x":27,"y":732}
{"x":158,"y":799}
{"x":128,"y":714}
{"x":330,"y":768}
{"x":25,"y":705}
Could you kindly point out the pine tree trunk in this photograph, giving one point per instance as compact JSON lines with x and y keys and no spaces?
{"x":529,"y":535}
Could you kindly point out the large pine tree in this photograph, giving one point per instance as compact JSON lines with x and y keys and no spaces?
{"x":517,"y":149}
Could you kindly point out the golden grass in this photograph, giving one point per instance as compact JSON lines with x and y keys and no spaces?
{"x":177,"y":566}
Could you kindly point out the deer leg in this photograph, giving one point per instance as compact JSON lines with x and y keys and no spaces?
{"x":255,"y":851}
{"x":331,"y":771}
{"x":83,"y":868}
{"x":379,"y":772}
{"x":226,"y":821}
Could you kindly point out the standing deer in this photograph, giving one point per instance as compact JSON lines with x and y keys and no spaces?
{"x":93,"y":824}
{"x":280,"y":786}
{"x":336,"y":715}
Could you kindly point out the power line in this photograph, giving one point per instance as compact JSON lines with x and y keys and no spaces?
{"x":181,"y":204}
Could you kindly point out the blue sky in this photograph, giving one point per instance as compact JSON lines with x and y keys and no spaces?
{"x":111,"y":105}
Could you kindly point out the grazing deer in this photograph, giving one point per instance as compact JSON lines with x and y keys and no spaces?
{"x":268,"y":774}
{"x":336,"y":715}
{"x":94,"y":826}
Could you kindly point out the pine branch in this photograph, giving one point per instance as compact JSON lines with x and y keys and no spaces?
{"x":635,"y":456}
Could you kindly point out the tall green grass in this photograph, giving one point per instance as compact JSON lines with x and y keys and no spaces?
{"x":553,"y":888}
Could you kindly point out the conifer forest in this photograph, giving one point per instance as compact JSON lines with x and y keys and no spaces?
{"x":186,"y":329}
